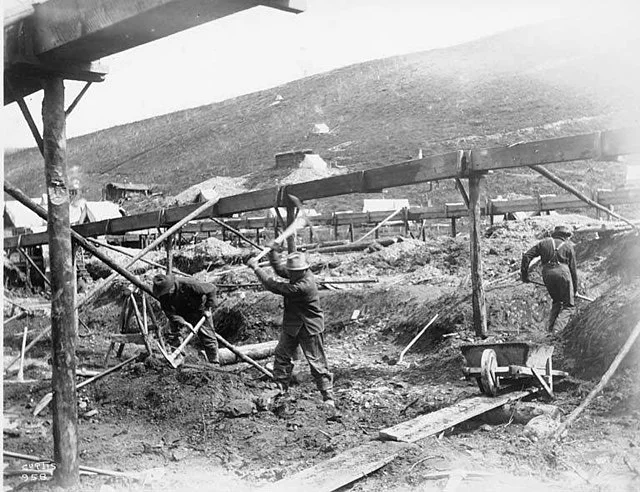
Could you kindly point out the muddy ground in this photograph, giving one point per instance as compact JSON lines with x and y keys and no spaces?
{"x":195,"y":429}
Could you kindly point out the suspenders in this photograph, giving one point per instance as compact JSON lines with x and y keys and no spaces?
{"x":554,"y":260}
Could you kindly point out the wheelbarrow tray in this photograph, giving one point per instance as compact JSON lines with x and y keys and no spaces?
{"x":522,"y":354}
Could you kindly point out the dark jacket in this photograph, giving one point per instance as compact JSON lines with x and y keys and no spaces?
{"x":301,"y":300}
{"x":189,"y":301}
{"x":553,"y":252}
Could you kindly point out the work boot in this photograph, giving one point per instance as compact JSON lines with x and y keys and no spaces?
{"x":327,"y":398}
{"x":212,"y":357}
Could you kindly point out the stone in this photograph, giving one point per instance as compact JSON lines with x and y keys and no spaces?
{"x":540,"y":427}
{"x":239,"y":408}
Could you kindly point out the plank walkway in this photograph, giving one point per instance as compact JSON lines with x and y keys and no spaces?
{"x":435,"y":422}
{"x":362,"y":460}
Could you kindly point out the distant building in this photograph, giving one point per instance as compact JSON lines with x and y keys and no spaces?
{"x":116,"y":192}
{"x":292,"y":158}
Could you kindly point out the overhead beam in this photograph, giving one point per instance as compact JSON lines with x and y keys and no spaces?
{"x":607,"y":144}
{"x":448,"y":211}
{"x":93,"y":29}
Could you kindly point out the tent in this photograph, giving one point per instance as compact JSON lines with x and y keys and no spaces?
{"x":17,"y":216}
{"x":97,"y":211}
{"x":384,"y":204}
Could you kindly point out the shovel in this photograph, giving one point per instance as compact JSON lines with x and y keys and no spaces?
{"x":176,"y":357}
{"x":415,"y":339}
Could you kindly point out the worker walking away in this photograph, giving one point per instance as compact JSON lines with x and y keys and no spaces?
{"x":303,"y":320}
{"x":184,"y":302}
{"x":558,"y":273}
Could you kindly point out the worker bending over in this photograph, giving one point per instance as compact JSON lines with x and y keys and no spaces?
{"x":185,"y":301}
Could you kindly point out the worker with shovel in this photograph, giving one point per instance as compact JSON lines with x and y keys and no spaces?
{"x":185,"y":301}
{"x":303,"y":321}
{"x":558,"y":273}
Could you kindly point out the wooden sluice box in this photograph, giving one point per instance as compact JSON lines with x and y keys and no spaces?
{"x":494,"y":365}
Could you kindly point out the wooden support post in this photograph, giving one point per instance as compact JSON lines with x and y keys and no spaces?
{"x":423,"y":230}
{"x":63,"y":323}
{"x":335,"y":227}
{"x":478,"y":299}
{"x":258,"y":236}
{"x":169,"y":247}
{"x":351,"y":232}
{"x":27,"y":268}
{"x":405,"y":218}
{"x":453,"y":227}
{"x":291,"y":216}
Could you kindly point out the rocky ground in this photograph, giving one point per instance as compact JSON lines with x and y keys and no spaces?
{"x":195,"y":429}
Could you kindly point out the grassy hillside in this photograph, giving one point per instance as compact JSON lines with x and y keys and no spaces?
{"x":536,"y":82}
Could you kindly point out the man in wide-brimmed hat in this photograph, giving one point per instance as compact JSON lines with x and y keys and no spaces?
{"x":303,"y":321}
{"x":185,"y":301}
{"x":558,"y":273}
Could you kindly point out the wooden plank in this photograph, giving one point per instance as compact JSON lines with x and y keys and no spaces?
{"x":440,"y":420}
{"x":341,"y":470}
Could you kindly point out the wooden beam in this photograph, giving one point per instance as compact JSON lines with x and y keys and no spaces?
{"x":498,"y":207}
{"x":78,"y":98}
{"x":26,"y":113}
{"x":566,"y":186}
{"x":94,"y":29}
{"x":613,"y":142}
{"x":462,"y":191}
{"x":293,"y":6}
{"x":63,"y":319}
{"x":478,"y":298}
{"x":440,"y":420}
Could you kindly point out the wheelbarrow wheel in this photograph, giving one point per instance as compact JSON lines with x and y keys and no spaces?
{"x":488,"y":380}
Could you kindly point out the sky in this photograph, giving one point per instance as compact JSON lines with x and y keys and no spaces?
{"x":262,"y":48}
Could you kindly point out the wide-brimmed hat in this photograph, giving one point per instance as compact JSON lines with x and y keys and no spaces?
{"x":561,"y":230}
{"x":162,"y":284}
{"x":297,"y":261}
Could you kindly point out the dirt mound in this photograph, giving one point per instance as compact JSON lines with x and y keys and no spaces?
{"x":97,"y":269}
{"x":221,"y":185}
{"x":594,"y":336}
{"x":302,"y":175}
{"x":207,"y":254}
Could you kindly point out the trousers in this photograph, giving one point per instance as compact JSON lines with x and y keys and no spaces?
{"x":313,"y":349}
{"x":206,"y":334}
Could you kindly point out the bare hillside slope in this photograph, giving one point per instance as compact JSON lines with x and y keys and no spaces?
{"x":530,"y":83}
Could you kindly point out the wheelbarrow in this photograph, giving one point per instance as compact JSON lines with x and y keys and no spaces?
{"x":495,"y":365}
